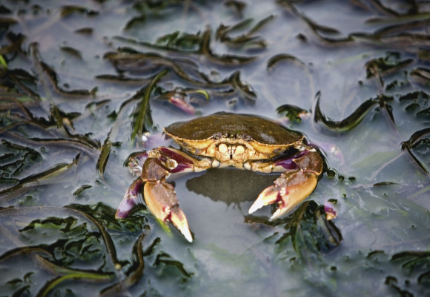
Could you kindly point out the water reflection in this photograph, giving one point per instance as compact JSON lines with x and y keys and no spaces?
{"x":229,"y":185}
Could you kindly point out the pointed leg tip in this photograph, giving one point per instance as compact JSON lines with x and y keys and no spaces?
{"x":266,"y":197}
{"x":186,"y":232}
{"x":187,"y":235}
{"x":277,"y":214}
{"x":119,"y":215}
{"x":255,"y":206}
{"x":122,"y":214}
{"x":179,"y":220}
{"x":125,"y":207}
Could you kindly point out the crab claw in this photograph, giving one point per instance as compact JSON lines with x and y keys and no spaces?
{"x":160,"y":197}
{"x":289,"y":190}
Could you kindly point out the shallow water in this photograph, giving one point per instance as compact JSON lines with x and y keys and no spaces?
{"x":75,"y":78}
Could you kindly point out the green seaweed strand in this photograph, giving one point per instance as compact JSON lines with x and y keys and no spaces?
{"x":137,"y":129}
{"x":45,"y":291}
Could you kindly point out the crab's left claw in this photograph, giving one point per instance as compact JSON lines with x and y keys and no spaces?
{"x":179,"y":220}
{"x":290,"y":190}
{"x":160,"y":197}
{"x":293,"y":186}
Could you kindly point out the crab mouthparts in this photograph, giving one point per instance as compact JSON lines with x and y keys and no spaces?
{"x":231,"y":152}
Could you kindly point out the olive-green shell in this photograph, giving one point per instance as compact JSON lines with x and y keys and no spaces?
{"x":260,"y":129}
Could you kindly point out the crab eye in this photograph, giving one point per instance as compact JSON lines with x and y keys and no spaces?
{"x":217,"y":136}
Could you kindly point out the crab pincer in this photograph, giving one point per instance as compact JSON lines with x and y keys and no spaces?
{"x":160,"y":196}
{"x":294,"y":185}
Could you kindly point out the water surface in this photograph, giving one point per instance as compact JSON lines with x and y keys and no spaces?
{"x":81,"y":82}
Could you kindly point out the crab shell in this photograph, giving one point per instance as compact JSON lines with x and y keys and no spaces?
{"x":263,"y":138}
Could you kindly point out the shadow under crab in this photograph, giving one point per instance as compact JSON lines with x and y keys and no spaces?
{"x":222,"y":140}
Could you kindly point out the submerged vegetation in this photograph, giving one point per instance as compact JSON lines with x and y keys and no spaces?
{"x":84,"y":85}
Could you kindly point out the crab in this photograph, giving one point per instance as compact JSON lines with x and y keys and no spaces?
{"x":220,"y":140}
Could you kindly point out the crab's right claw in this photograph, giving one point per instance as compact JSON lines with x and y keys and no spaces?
{"x":289,"y":190}
{"x":160,"y":197}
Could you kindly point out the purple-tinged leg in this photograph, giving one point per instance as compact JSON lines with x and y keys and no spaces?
{"x":330,"y":211}
{"x":130,"y":199}
{"x":180,"y":161}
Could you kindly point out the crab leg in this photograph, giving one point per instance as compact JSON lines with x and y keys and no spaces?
{"x":160,"y":197}
{"x":297,"y":182}
{"x":130,"y":199}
